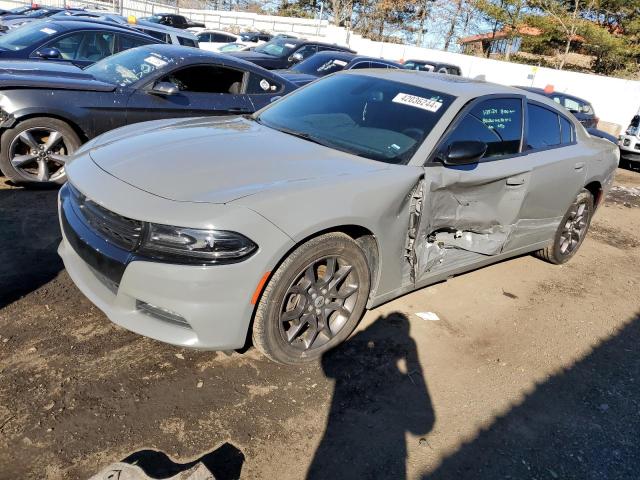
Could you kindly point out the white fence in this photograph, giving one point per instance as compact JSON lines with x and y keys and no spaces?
{"x":615,"y":100}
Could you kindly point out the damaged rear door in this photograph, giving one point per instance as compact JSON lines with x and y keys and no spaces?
{"x":466,"y":213}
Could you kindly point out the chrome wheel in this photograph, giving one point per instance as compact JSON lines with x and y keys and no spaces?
{"x":39,"y":154}
{"x":318,"y":303}
{"x":575,"y":228}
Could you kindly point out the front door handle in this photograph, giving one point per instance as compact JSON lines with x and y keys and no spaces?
{"x":515,"y":181}
{"x":579,"y":166}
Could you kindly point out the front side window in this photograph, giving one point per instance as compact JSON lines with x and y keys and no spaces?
{"x":207,"y":79}
{"x":543,"y":130}
{"x":424,"y":67}
{"x":360,"y":65}
{"x":370,"y":117}
{"x":85,"y":46}
{"x":577,"y":107}
{"x":496,"y":122}
{"x":307,"y":51}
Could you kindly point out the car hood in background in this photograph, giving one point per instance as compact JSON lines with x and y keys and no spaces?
{"x":262,"y":59}
{"x":217,"y":160}
{"x":53,"y":75}
{"x":299,"y":79}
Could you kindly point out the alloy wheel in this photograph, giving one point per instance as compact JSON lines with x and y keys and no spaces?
{"x":318,"y":303}
{"x":39,"y":154}
{"x":575,"y":228}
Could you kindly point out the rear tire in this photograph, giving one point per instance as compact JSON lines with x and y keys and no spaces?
{"x":571,"y":232}
{"x":34,"y":152}
{"x":313,"y":301}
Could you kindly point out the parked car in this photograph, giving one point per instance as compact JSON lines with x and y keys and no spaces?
{"x":579,"y":107}
{"x":255,"y":37}
{"x":79,"y":42}
{"x":173,"y":20}
{"x":11,"y":22}
{"x":428,"y":66}
{"x":324,"y":63}
{"x":212,"y":40}
{"x":351,"y":191}
{"x":629,"y":143}
{"x":50,"y":109}
{"x":175,"y":36}
{"x":282,"y":52}
{"x":19,"y":10}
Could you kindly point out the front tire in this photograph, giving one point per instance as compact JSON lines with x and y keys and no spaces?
{"x":571,"y":231}
{"x":35,"y":151}
{"x":313,"y":301}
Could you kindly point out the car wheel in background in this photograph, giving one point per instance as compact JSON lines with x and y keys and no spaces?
{"x":35,"y":151}
{"x":313,"y":301}
{"x":571,"y":231}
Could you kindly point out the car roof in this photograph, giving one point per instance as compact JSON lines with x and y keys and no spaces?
{"x":71,"y":23}
{"x":461,"y":87}
{"x":159,"y":27}
{"x":541,"y":91}
{"x":430,"y":62}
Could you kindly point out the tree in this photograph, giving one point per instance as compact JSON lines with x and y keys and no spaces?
{"x":506,"y":15}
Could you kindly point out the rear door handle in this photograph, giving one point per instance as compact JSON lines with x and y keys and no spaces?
{"x":515,"y":181}
{"x":579,"y":166}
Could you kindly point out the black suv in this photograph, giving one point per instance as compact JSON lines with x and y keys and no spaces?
{"x":282,"y":53}
{"x":173,"y":20}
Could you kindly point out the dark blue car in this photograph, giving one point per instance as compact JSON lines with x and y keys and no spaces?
{"x":77,"y":42}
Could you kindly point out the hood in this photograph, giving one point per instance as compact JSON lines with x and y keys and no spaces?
{"x":299,"y":79}
{"x":216,"y":160}
{"x":53,"y":75}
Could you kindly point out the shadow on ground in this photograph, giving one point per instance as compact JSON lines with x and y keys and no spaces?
{"x":583,"y":423}
{"x":225,"y":463}
{"x":380,"y":395}
{"x":29,"y":238}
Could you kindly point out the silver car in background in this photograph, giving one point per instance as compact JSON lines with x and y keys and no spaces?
{"x":356,"y":189}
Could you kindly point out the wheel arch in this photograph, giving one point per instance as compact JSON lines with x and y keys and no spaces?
{"x":595,"y":188}
{"x":22,"y":116}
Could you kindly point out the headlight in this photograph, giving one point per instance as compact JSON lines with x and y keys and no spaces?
{"x":190,"y":245}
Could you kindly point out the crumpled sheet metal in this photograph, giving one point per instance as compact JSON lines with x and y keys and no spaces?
{"x":126,"y":471}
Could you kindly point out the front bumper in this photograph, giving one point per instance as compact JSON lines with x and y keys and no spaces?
{"x":213,"y":301}
{"x":629,"y":148}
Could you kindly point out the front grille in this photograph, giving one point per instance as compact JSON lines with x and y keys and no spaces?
{"x":121,"y":231}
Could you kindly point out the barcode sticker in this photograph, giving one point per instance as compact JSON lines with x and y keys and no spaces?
{"x":428,"y":104}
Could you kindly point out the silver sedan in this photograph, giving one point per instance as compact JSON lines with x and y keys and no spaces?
{"x":284,"y":226}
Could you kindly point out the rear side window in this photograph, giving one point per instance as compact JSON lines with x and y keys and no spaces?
{"x":259,"y":84}
{"x":361,"y":65}
{"x":159,"y":35}
{"x":496,"y":122}
{"x":127,"y":42}
{"x":567,"y":131}
{"x":381,"y":65}
{"x":543,"y":129}
{"x":187,"y":42}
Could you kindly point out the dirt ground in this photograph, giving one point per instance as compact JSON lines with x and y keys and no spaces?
{"x":531,"y":372}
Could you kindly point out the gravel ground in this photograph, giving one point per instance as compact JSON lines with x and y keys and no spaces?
{"x":531,"y":372}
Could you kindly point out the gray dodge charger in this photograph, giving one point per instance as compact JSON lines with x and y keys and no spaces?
{"x":287,"y":224}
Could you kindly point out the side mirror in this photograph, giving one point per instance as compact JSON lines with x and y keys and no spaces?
{"x":49,"y":53}
{"x":165,"y":88}
{"x":465,"y":153}
{"x":296,"y":57}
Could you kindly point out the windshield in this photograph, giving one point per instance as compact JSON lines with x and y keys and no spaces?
{"x":129,"y":66}
{"x":31,"y":34}
{"x":278,"y":47}
{"x":320,"y":65}
{"x":377,"y":119}
{"x":20,"y":10}
{"x":232,"y":47}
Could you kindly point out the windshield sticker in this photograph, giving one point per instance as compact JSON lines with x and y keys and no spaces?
{"x":341,"y":63}
{"x":290,"y":45}
{"x":48,"y":31}
{"x":427,"y":104}
{"x":155,"y":61}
